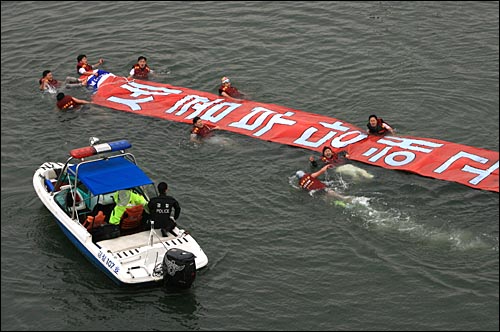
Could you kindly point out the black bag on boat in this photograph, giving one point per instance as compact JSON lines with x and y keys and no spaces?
{"x":105,"y":232}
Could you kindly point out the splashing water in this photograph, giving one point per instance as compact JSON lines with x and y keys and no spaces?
{"x":392,"y":219}
{"x":395,"y":220}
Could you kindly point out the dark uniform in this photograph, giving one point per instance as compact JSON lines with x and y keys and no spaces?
{"x":160,"y":209}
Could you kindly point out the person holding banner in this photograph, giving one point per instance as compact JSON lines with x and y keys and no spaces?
{"x":338,"y":160}
{"x":228,"y":91}
{"x":328,"y":157}
{"x":140,"y":70}
{"x":200,"y":130}
{"x":67,"y":102}
{"x":377,"y":126}
{"x":83,"y":67}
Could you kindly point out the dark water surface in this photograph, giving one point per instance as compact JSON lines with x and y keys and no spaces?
{"x":418,"y":254}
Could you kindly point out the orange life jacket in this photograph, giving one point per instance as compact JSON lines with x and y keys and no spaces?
{"x":54,"y":83}
{"x":202,"y":132}
{"x":67,"y":103}
{"x":79,"y":65}
{"x":96,"y":221}
{"x":230,"y":90}
{"x":141,"y":73}
{"x":309,"y":183}
{"x":132,"y":217}
{"x":378,"y":129}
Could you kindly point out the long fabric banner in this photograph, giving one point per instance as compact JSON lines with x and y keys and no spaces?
{"x":473,"y":167}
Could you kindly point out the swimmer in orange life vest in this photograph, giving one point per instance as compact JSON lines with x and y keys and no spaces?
{"x":49,"y":83}
{"x":140,"y":70}
{"x":311,"y":183}
{"x":328,"y":157}
{"x":67,"y":102}
{"x":377,"y":126}
{"x":83,"y":68}
{"x":200,"y":130}
{"x":228,"y":91}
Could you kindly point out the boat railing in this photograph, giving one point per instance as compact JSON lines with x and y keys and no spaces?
{"x":98,"y":151}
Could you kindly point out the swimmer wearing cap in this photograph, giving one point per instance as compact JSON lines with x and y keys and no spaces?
{"x":310,"y":182}
{"x":228,"y":91}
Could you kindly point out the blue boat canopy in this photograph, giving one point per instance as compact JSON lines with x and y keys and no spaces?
{"x":108,"y":175}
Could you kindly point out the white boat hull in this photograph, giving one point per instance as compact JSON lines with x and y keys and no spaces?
{"x":128,"y":259}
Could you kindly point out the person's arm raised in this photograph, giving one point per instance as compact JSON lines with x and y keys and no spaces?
{"x":321,"y":171}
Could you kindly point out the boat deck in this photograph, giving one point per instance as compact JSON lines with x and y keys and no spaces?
{"x":133,"y":241}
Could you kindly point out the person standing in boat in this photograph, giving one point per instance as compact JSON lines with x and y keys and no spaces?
{"x":228,"y":91}
{"x":67,"y":102}
{"x":160,"y":209}
{"x":377,"y":126}
{"x":83,"y":67}
{"x":328,"y":157}
{"x":125,"y":199}
{"x":140,"y":70}
{"x":200,"y":130}
{"x":311,"y":183}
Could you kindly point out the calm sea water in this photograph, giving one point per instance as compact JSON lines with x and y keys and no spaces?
{"x":418,"y":254}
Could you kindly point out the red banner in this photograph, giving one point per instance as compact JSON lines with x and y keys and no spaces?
{"x":473,"y":167}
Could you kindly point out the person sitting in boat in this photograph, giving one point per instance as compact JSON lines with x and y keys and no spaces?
{"x":48,"y":82}
{"x":311,"y":183}
{"x":83,"y":67}
{"x":125,"y":200}
{"x":160,"y":209}
{"x":228,"y":91}
{"x":200,"y":130}
{"x":377,"y":126}
{"x":141,"y":69}
{"x":328,"y":157}
{"x":67,"y":102}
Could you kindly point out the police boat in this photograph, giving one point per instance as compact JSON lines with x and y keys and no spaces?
{"x":80,"y":193}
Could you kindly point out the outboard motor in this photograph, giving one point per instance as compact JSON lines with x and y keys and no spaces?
{"x":179,"y":268}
